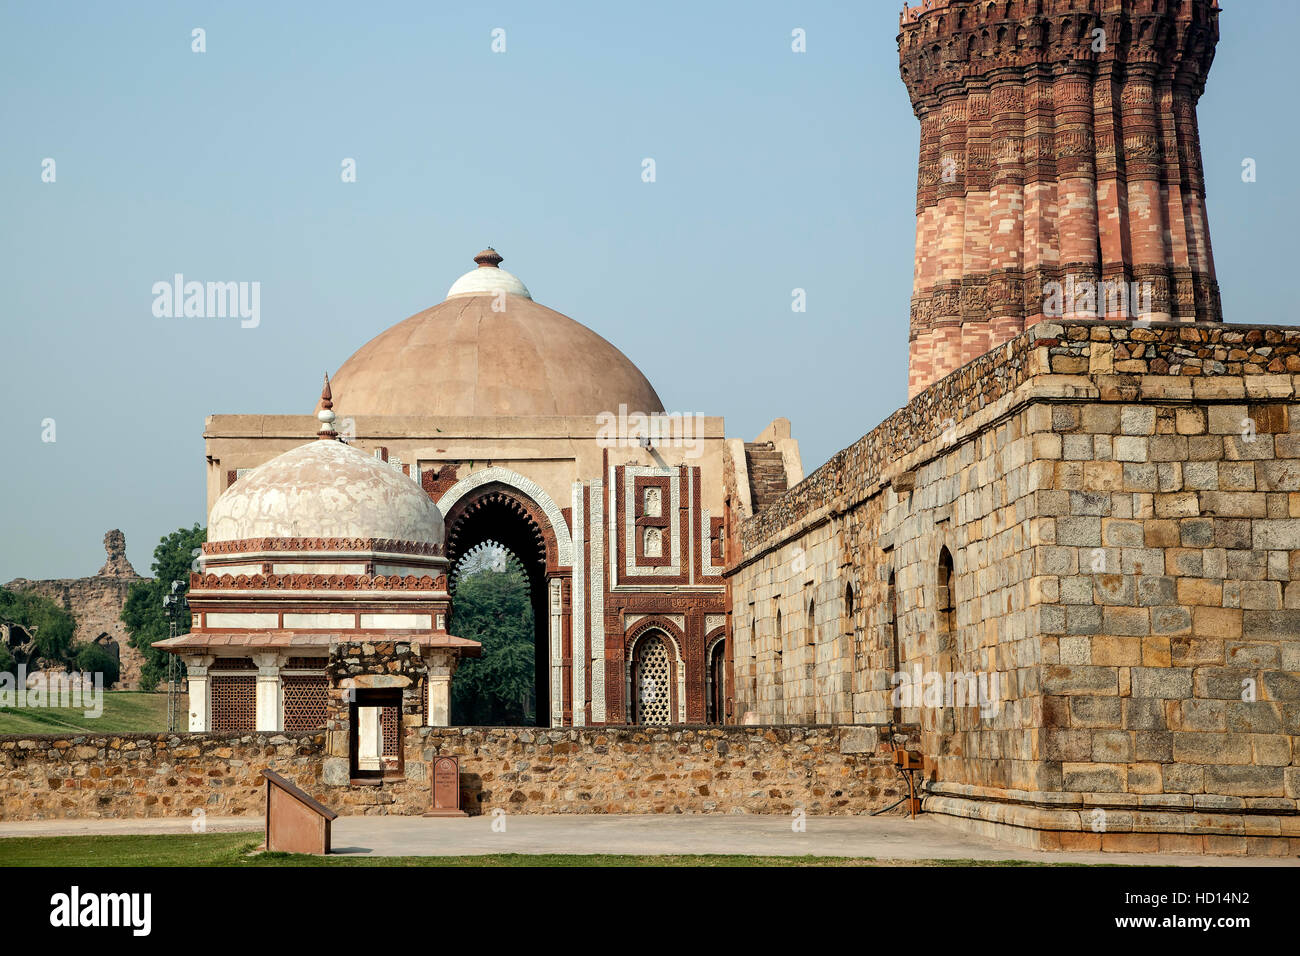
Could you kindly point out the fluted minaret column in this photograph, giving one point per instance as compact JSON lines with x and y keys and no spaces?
{"x":1042,"y":256}
{"x":1112,"y":187}
{"x":1060,"y":168}
{"x":1196,"y":226}
{"x":976,"y":319}
{"x":1077,"y":223}
{"x":946,"y":340}
{"x":1146,"y":208}
{"x":927,"y":273}
{"x":1006,"y":261}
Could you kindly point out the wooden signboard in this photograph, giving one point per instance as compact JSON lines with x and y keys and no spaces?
{"x":446,"y":788}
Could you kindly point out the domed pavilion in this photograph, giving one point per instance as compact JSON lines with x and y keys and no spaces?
{"x":322,"y":547}
{"x":490,"y":421}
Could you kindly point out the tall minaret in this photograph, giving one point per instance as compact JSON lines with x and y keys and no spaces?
{"x":1059,"y":156}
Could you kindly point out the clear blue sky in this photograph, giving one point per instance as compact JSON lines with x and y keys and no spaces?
{"x":775,"y":170}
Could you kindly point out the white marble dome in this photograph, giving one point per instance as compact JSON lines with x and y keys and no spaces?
{"x":488,"y":279}
{"x":326,"y":489}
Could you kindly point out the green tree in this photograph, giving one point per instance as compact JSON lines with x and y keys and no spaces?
{"x":93,"y":659}
{"x":144,"y":615}
{"x":7,"y":662}
{"x":51,"y":626}
{"x":492,"y":607}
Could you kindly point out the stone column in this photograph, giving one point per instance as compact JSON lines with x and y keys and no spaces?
{"x":441,"y":665}
{"x":555,"y":587}
{"x":197,"y":670}
{"x":270,"y":707}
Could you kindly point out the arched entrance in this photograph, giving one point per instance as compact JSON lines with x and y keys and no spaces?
{"x":502,"y":517}
{"x":715,"y":692}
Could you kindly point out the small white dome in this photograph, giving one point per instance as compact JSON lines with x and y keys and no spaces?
{"x":326,"y":489}
{"x":488,"y":279}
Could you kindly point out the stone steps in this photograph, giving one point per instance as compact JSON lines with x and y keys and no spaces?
{"x":766,"y":474}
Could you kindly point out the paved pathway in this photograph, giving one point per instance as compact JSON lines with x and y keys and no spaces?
{"x":896,"y":838}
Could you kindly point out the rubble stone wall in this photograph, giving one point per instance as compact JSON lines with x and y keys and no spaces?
{"x":673,"y":769}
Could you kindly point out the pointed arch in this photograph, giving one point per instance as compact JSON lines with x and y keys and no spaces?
{"x":526,"y":486}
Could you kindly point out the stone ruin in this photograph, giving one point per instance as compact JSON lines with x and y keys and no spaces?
{"x":96,"y":603}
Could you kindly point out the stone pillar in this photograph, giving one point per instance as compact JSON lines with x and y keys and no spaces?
{"x":441,"y":666}
{"x":556,"y":607}
{"x":197,"y":670}
{"x":270,"y":706}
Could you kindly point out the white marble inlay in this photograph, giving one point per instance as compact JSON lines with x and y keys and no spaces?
{"x":579,"y":642}
{"x":563,"y":540}
{"x":219,"y":619}
{"x":597,"y":605}
{"x":404,"y":621}
{"x":345,"y":621}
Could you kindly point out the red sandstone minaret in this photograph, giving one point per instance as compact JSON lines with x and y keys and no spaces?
{"x":1059,"y":154}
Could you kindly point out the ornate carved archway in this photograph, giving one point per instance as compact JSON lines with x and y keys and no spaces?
{"x":546,"y":512}
{"x":504,"y":514}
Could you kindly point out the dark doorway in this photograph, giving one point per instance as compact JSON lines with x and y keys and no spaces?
{"x":717,"y":676}
{"x":496,"y":530}
{"x":375,"y":734}
{"x":493,"y":605}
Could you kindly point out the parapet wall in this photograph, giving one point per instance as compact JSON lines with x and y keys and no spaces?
{"x":672,"y":769}
{"x":1123,"y":360}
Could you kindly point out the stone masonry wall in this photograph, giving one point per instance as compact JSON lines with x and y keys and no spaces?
{"x":1122,"y":507}
{"x":675,"y":769}
{"x":91,"y":776}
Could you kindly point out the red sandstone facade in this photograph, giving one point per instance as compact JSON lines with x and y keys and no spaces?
{"x":1059,"y":153}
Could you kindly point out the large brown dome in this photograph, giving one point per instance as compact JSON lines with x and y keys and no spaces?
{"x":463,"y":357}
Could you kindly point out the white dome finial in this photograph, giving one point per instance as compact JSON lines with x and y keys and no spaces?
{"x":488,"y":279}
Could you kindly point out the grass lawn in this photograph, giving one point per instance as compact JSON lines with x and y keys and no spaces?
{"x":235,"y":849}
{"x":125,"y":712}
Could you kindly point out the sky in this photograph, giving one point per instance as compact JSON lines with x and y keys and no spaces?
{"x":774,"y":171}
